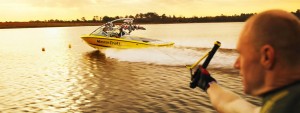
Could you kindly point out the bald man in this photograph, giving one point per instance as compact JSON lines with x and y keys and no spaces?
{"x":269,"y":63}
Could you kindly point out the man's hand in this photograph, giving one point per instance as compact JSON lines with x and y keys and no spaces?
{"x":201,"y":78}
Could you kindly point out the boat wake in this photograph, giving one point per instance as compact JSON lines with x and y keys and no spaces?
{"x":171,"y":56}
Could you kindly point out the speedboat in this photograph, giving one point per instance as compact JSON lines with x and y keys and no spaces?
{"x":114,"y":34}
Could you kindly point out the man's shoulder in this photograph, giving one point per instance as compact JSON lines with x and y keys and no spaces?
{"x":286,"y":100}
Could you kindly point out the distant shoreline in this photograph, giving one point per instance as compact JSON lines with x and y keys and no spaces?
{"x":147,"y":18}
{"x":10,"y":25}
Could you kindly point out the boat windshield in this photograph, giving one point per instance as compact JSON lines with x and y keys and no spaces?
{"x":117,"y":29}
{"x":106,"y":31}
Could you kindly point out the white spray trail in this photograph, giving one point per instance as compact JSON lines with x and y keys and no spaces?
{"x":160,"y":56}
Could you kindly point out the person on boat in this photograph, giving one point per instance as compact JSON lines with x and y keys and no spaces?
{"x":121,"y":32}
{"x":269,"y":63}
{"x":104,"y":30}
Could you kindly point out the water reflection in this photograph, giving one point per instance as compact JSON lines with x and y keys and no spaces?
{"x":112,"y":84}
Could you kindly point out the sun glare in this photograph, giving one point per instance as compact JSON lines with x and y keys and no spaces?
{"x":67,"y":10}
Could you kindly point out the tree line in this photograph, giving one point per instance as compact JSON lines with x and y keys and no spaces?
{"x":152,"y":17}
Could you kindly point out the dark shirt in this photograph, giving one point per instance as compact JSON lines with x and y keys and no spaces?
{"x":283,"y":100}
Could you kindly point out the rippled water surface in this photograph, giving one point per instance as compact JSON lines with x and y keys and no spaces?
{"x":70,"y":76}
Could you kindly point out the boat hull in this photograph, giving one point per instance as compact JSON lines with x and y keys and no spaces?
{"x":99,"y":42}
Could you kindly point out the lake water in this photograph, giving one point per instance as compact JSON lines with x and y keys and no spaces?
{"x":82,"y":79}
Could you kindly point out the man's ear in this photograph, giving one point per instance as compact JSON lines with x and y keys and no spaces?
{"x":267,"y":56}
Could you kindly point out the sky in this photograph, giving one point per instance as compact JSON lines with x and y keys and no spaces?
{"x":27,"y":10}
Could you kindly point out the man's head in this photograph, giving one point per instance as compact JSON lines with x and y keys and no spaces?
{"x":269,"y":56}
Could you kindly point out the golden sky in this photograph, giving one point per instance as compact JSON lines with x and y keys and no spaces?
{"x":26,"y":10}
